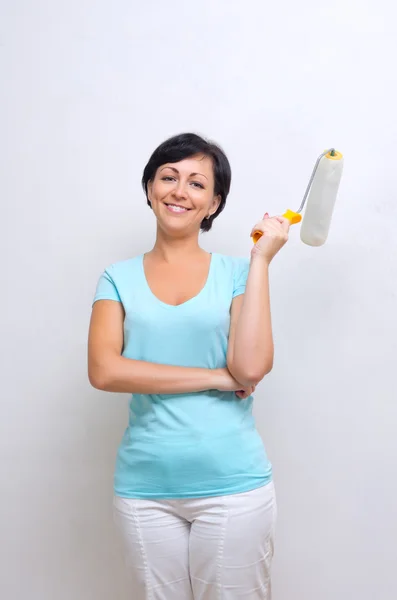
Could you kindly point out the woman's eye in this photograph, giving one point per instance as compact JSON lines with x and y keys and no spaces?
{"x":198,"y":185}
{"x":167,"y":178}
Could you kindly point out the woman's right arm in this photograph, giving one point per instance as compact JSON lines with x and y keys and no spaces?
{"x":108,"y":370}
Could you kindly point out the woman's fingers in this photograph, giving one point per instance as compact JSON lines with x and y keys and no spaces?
{"x":242,"y":394}
{"x":271,"y":224}
{"x":285,"y":223}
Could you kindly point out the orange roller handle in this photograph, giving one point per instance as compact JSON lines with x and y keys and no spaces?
{"x":293,"y":218}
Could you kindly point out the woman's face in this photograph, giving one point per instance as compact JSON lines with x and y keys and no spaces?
{"x":182,"y":195}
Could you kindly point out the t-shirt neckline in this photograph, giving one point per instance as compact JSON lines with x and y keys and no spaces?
{"x":187,"y":302}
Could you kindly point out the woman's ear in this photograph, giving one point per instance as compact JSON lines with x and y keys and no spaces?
{"x":149,"y":191}
{"x":214,"y":205}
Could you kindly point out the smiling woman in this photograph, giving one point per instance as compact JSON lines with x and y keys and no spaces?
{"x":186,"y":189}
{"x":189,"y":161}
{"x":188,"y":334}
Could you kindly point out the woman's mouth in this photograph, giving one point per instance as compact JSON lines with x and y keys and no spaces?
{"x":176,"y":208}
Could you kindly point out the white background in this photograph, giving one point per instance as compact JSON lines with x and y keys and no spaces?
{"x":88,"y":90}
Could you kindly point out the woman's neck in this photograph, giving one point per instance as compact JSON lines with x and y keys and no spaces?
{"x":174,"y":250}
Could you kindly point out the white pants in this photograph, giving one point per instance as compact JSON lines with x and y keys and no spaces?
{"x":199,"y":549}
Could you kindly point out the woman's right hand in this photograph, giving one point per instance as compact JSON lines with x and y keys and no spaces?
{"x":274,"y":232}
{"x":227,"y":383}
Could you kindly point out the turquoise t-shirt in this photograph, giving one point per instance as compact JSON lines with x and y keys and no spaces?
{"x":184,"y":445}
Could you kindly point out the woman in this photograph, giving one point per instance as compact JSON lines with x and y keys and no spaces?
{"x":188,"y":334}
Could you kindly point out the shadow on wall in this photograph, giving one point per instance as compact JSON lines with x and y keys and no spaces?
{"x":312,"y":300}
{"x":78,"y":551}
{"x":93,"y":538}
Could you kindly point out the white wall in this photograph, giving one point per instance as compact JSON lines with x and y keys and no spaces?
{"x":89,"y":88}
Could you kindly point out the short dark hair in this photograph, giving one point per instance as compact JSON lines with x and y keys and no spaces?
{"x":184,"y":146}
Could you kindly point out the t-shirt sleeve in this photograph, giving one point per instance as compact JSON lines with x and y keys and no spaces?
{"x":240,"y":276}
{"x":106,"y":287}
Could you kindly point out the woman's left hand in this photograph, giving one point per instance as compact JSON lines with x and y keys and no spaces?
{"x":274,"y":235}
{"x":242,"y":394}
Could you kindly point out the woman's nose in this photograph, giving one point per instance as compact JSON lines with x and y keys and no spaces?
{"x":180,"y":191}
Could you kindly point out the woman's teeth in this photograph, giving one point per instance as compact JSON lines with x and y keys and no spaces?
{"x":176,"y":209}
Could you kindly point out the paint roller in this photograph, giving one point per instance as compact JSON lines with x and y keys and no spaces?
{"x":319,"y":198}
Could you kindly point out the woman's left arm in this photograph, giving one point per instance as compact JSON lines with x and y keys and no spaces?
{"x":250,"y":348}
